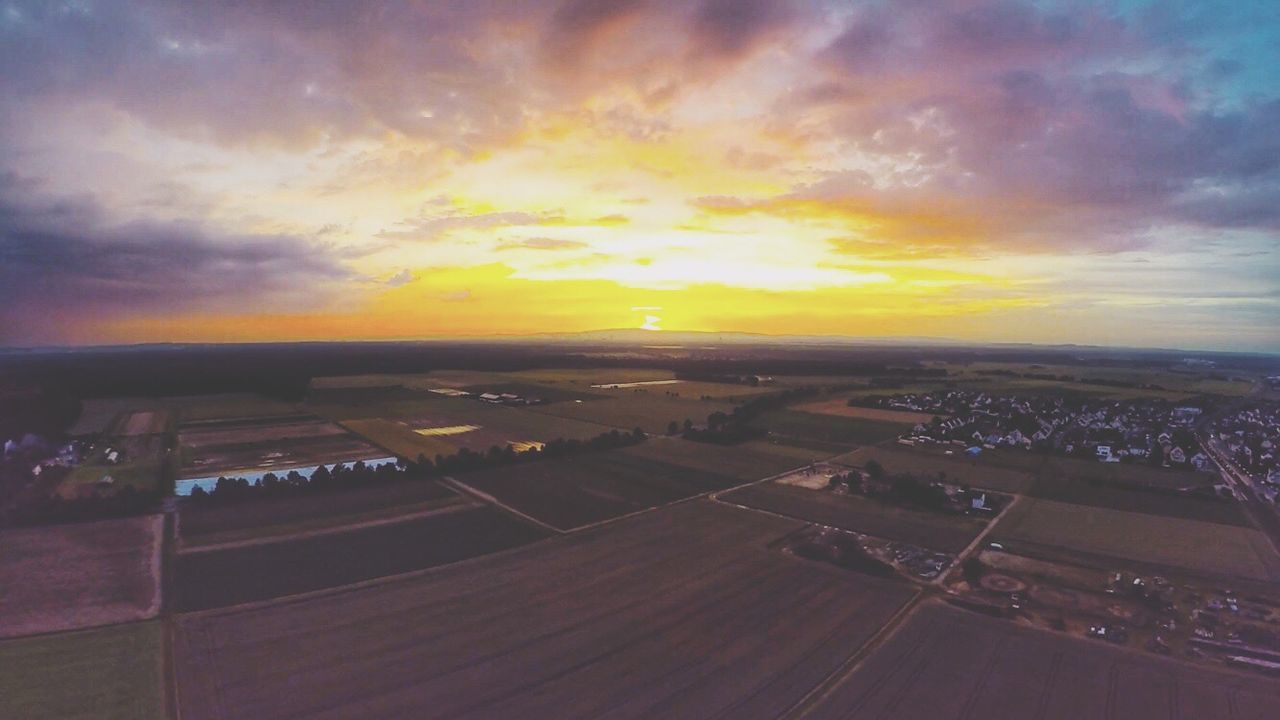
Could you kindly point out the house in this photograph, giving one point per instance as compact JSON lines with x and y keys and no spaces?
{"x":1201,"y":461}
{"x":491,"y":397}
{"x":1104,"y":452}
{"x":1177,"y":455}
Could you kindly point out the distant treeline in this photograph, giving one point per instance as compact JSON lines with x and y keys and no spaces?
{"x":733,"y":428}
{"x":1072,"y":379}
{"x":341,"y":477}
{"x":125,"y":502}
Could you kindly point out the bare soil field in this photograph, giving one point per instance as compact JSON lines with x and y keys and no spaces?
{"x":589,"y":488}
{"x":682,"y":612}
{"x":650,"y":411}
{"x":1204,"y":547}
{"x":143,"y":422}
{"x":112,"y":673}
{"x":64,"y":577}
{"x":735,"y":461}
{"x":99,"y":414}
{"x":257,"y":433}
{"x":283,"y":453}
{"x":212,"y":523}
{"x":945,"y":533}
{"x":959,"y":468}
{"x":840,"y":407}
{"x":218,"y":578}
{"x":949,"y":664}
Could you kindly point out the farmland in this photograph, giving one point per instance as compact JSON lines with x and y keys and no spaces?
{"x":983,"y":471}
{"x":264,"y":518}
{"x":219,"y":577}
{"x":1211,"y":508}
{"x":399,"y":439}
{"x":935,"y":531}
{"x":79,"y":575}
{"x":738,"y":462}
{"x":848,"y":431}
{"x":650,"y":411}
{"x":683,"y":612}
{"x":272,"y":443}
{"x":112,"y":673}
{"x":946,"y":663}
{"x":1129,"y":473}
{"x":840,"y":407}
{"x":577,"y":491}
{"x":1206,"y":547}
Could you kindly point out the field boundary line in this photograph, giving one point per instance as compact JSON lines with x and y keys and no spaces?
{"x":827,"y":685}
{"x":320,"y":532}
{"x":486,"y":497}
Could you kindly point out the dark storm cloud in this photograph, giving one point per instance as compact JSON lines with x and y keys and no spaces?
{"x":62,"y":263}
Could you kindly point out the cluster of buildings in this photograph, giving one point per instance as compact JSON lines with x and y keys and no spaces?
{"x":1251,"y":437}
{"x":492,"y":398}
{"x":1146,"y":430}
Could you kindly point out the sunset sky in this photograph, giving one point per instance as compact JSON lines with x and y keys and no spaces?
{"x":1086,"y":172}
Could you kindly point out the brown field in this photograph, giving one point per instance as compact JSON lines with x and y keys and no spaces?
{"x":278,"y":454}
{"x":1137,"y":473}
{"x":945,"y":533}
{"x":205,"y":578}
{"x":840,"y":407}
{"x":691,"y":389}
{"x":80,"y":575}
{"x":255,"y":433}
{"x":980,"y":472}
{"x":1208,"y":548}
{"x":207,"y":524}
{"x":736,"y":461}
{"x":144,"y":422}
{"x":682,"y":612}
{"x":399,"y":439}
{"x":797,"y":454}
{"x":949,"y":664}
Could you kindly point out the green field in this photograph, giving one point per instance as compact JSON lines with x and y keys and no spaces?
{"x":983,"y":471}
{"x":1201,"y":547}
{"x":1134,"y":499}
{"x":829,"y":428}
{"x":1172,"y":384}
{"x":105,"y":674}
{"x":1131,"y":473}
{"x":399,"y":439}
{"x":140,"y":475}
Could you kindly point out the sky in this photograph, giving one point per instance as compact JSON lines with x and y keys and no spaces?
{"x":1051,"y":172}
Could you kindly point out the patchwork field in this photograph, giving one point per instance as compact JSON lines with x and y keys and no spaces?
{"x":1203,"y":547}
{"x":206,"y":579}
{"x":737,"y":461}
{"x":945,"y":533}
{"x":648,"y":411}
{"x":112,"y":673}
{"x":948,"y":664}
{"x":589,"y":488}
{"x":399,"y":439}
{"x":981,"y":472}
{"x":79,"y":575}
{"x":1136,"y":473}
{"x":849,"y":431}
{"x":691,"y":389}
{"x":264,"y":518}
{"x":840,"y":407}
{"x":244,"y":445}
{"x":678,"y":613}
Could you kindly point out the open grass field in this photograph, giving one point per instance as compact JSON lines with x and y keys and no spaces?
{"x":680,"y":613}
{"x":97,"y":415}
{"x":141,"y":475}
{"x":980,"y":472}
{"x":949,"y":664}
{"x":398,"y":439}
{"x":206,"y":579}
{"x":850,"y":431}
{"x":79,"y":575}
{"x":142,"y":422}
{"x":264,"y":518}
{"x":693,"y":389}
{"x":1172,"y":384}
{"x":550,"y":393}
{"x":112,"y":673}
{"x":650,"y":411}
{"x":247,"y":446}
{"x":230,"y":405}
{"x":840,"y":407}
{"x":736,"y":461}
{"x":588,"y":488}
{"x":945,"y":533}
{"x":1189,"y":507}
{"x":798,"y":454}
{"x":1200,"y":547}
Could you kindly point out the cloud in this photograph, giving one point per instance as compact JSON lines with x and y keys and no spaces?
{"x":540,"y":243}
{"x":404,"y":277}
{"x":63,"y":264}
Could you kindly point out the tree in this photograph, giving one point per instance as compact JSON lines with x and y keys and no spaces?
{"x":673,"y":427}
{"x":973,"y":570}
{"x":688,"y":424}
{"x":875,"y":470}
